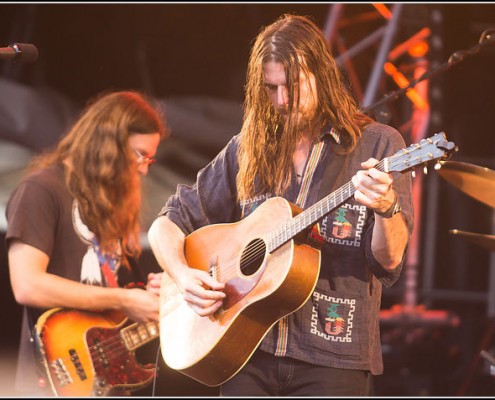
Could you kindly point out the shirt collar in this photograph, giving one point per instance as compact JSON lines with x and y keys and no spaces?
{"x":331,"y":132}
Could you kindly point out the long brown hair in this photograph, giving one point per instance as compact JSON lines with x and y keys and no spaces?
{"x":267,"y":143}
{"x":101,"y":172}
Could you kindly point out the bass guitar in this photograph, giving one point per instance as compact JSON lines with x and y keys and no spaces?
{"x":89,"y":353}
{"x":268,"y":269}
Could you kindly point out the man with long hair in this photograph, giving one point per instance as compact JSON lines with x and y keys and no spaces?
{"x":302,"y":136}
{"x":73,"y":221}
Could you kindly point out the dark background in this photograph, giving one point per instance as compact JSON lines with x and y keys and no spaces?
{"x":200,"y":51}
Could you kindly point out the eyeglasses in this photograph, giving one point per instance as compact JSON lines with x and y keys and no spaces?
{"x":144,"y":159}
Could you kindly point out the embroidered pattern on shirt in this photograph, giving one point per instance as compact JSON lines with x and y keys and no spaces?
{"x":248,"y":206}
{"x":344,"y":227}
{"x":332,"y":318}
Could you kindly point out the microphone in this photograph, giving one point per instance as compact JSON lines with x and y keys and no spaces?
{"x":19,"y":52}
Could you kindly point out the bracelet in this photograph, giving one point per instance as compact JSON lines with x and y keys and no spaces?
{"x":395,"y":208}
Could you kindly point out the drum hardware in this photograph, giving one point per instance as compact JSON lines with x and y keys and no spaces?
{"x":486,"y":241}
{"x":475,"y":181}
{"x":479,"y":183}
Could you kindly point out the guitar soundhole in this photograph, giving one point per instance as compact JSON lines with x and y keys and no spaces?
{"x":252,"y":257}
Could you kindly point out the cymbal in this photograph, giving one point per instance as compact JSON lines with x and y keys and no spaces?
{"x":477,"y":182}
{"x":486,"y":241}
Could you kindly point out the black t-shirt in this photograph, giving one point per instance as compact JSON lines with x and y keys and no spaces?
{"x":42,"y":213}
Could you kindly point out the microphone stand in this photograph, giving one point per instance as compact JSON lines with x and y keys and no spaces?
{"x":486,"y":38}
{"x":412,"y":314}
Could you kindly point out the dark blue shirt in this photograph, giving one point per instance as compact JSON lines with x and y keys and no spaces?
{"x":339,"y":324}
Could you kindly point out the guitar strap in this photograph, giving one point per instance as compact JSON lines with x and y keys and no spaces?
{"x":109,"y":276}
{"x":332,"y":171}
{"x":329,"y":181}
{"x":314,"y":158}
{"x":333,"y":167}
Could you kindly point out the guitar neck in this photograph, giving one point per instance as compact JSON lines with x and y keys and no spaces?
{"x":427,"y":150}
{"x":310,"y":216}
{"x":317,"y":211}
{"x":137,"y":334}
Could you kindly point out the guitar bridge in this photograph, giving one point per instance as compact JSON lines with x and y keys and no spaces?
{"x":60,"y":370}
{"x":213,"y":269}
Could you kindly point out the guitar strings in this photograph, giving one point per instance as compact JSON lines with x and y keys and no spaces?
{"x":278,"y":235}
{"x":105,"y":344}
{"x":114,"y":346}
{"x":230,"y":264}
{"x":116,"y":341}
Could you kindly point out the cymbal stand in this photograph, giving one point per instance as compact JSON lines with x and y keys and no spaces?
{"x":410,"y":311}
{"x":489,"y":333}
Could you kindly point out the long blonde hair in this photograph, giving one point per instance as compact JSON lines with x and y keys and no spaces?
{"x":267,"y":143}
{"x":101,"y":171}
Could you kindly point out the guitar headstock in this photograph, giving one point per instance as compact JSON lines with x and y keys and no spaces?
{"x":434,"y":148}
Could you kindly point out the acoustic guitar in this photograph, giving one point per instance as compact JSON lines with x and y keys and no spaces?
{"x":269,"y":271}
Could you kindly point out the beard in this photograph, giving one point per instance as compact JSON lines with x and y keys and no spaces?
{"x":305,"y":120}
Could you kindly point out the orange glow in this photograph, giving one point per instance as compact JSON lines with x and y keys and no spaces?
{"x":411,"y":42}
{"x":383,"y":10}
{"x":402,"y":82}
{"x":419,"y":49}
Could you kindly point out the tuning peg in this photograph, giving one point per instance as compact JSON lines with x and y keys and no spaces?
{"x":413,"y":173}
{"x":425,"y":170}
{"x":437,"y":166}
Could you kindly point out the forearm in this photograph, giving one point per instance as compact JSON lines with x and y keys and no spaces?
{"x":48,"y":291}
{"x":33,"y":286}
{"x":202,"y":292}
{"x":167,"y":243}
{"x":390,"y":237}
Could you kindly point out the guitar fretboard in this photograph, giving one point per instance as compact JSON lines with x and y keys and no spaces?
{"x":404,"y":160}
{"x":309,"y":217}
{"x":136,"y":335}
{"x":314,"y":213}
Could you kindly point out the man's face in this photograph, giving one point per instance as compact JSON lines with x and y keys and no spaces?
{"x":276,"y":87}
{"x":145,"y":147}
